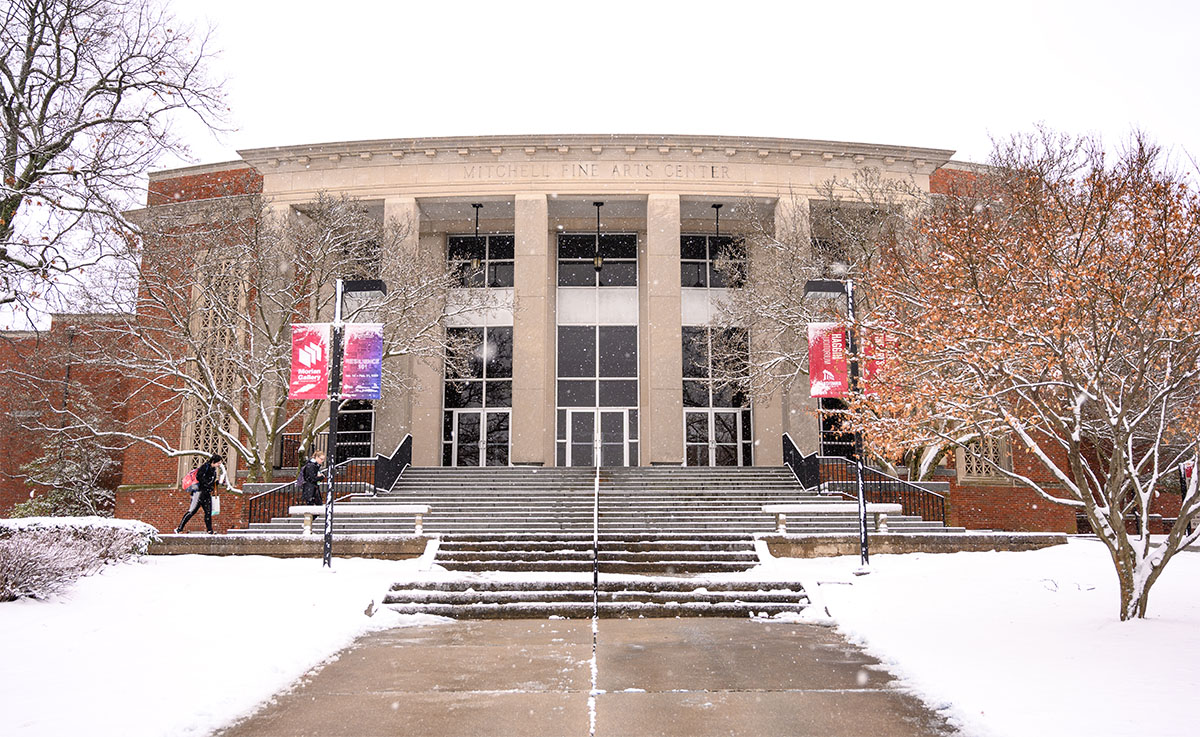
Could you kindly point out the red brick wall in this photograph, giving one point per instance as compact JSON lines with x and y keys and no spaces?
{"x":164,"y":507}
{"x":999,"y":504}
{"x":190,"y":187}
{"x":33,"y":367}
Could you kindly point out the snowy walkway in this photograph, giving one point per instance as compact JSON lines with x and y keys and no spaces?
{"x":509,"y":678}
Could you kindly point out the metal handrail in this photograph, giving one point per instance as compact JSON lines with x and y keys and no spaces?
{"x":879,"y":487}
{"x":274,"y":502}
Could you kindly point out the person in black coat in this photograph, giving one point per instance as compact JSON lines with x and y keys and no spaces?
{"x":310,"y":476}
{"x":206,"y":480}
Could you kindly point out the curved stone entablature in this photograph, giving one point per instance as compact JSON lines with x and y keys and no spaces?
{"x":633,"y":164}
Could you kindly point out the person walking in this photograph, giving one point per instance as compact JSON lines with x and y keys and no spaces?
{"x":311,"y":475}
{"x":207,"y":476}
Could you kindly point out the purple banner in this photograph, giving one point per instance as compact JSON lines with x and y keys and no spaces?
{"x":362,"y":361}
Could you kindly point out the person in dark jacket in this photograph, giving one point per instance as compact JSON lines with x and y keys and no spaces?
{"x":207,"y":476}
{"x":311,"y":475}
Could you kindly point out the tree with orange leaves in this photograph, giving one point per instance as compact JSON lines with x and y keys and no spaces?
{"x":1055,"y":301}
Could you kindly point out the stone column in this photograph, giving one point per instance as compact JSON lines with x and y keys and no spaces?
{"x":394,"y":413}
{"x":662,"y":350}
{"x":533,"y":418}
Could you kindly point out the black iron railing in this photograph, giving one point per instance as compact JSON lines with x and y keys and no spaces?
{"x":807,"y":469}
{"x":352,"y":476}
{"x":838,"y":476}
{"x":388,"y":469}
{"x":351,"y":444}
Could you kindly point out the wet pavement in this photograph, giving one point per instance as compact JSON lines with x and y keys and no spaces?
{"x":695,"y":677}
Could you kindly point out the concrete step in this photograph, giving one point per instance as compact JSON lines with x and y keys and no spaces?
{"x":583,"y":610}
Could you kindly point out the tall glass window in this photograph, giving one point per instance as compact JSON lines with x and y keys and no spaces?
{"x":481,"y":261}
{"x":716,"y":417}
{"x":711,"y":261}
{"x":597,"y":395}
{"x":477,"y":399}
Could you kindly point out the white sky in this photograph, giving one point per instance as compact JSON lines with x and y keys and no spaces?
{"x":937,"y":74}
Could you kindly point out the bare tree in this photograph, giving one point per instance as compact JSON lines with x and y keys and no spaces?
{"x":1056,"y":301}
{"x":88,"y":89}
{"x":221,"y":282}
{"x":835,"y":233}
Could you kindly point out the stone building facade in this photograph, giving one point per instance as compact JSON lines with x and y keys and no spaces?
{"x":578,"y":365}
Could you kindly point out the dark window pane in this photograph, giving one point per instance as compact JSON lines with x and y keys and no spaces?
{"x":618,"y":393}
{"x":730,"y":274}
{"x":693,"y":274}
{"x":695,"y":353}
{"x":562,"y":424}
{"x":500,"y":247}
{"x":747,"y":428}
{"x":725,"y":455}
{"x":466,"y":247}
{"x":576,"y":350}
{"x":576,"y":245}
{"x":612,"y":427}
{"x":695,"y":394}
{"x":583,"y":427}
{"x":447,"y":454}
{"x":470,"y":342}
{"x":468,"y":427}
{"x":461,"y":394}
{"x":747,"y":454}
{"x":612,"y":455}
{"x":633,"y":424}
{"x":468,"y":455}
{"x":499,"y":353}
{"x":618,"y":246}
{"x":697,"y":455}
{"x":576,"y":274}
{"x":499,"y":393}
{"x":619,"y":274}
{"x":695,"y":427}
{"x":728,"y":396}
{"x":447,"y":426}
{"x":693,"y":247}
{"x":560,"y":455}
{"x":581,"y":454}
{"x":618,"y":350}
{"x":633,"y":454}
{"x":497,"y":455}
{"x":725,"y":427}
{"x":577,"y":393}
{"x":500,"y":274}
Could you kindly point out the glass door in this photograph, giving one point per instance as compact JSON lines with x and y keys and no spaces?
{"x":597,"y":434}
{"x":717,"y":437}
{"x":479,"y":438}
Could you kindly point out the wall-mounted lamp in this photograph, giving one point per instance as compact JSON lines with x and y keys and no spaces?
{"x":717,"y":210}
{"x":597,"y":259}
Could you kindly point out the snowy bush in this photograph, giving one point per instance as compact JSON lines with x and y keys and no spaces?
{"x":43,"y":556}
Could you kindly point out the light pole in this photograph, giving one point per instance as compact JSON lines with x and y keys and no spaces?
{"x":833,"y":288}
{"x":369,"y":288}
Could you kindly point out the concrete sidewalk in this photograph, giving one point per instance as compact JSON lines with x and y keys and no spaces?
{"x":687,"y":677}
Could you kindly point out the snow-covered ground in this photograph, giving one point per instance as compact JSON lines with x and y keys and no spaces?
{"x":1008,"y":644}
{"x":1024,"y":644}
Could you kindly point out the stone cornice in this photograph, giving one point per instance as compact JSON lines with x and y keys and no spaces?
{"x":605,"y":146}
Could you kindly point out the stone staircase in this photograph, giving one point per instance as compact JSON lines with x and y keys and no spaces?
{"x":522,"y":539}
{"x":629,"y":596}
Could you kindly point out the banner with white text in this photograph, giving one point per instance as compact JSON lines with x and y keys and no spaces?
{"x":362,"y":361}
{"x":310,"y":361}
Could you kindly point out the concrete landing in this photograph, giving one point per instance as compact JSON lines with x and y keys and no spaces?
{"x":661,"y":677}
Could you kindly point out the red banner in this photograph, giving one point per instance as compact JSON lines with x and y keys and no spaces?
{"x":310,"y":361}
{"x":828,"y":374}
{"x":827,"y":360}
